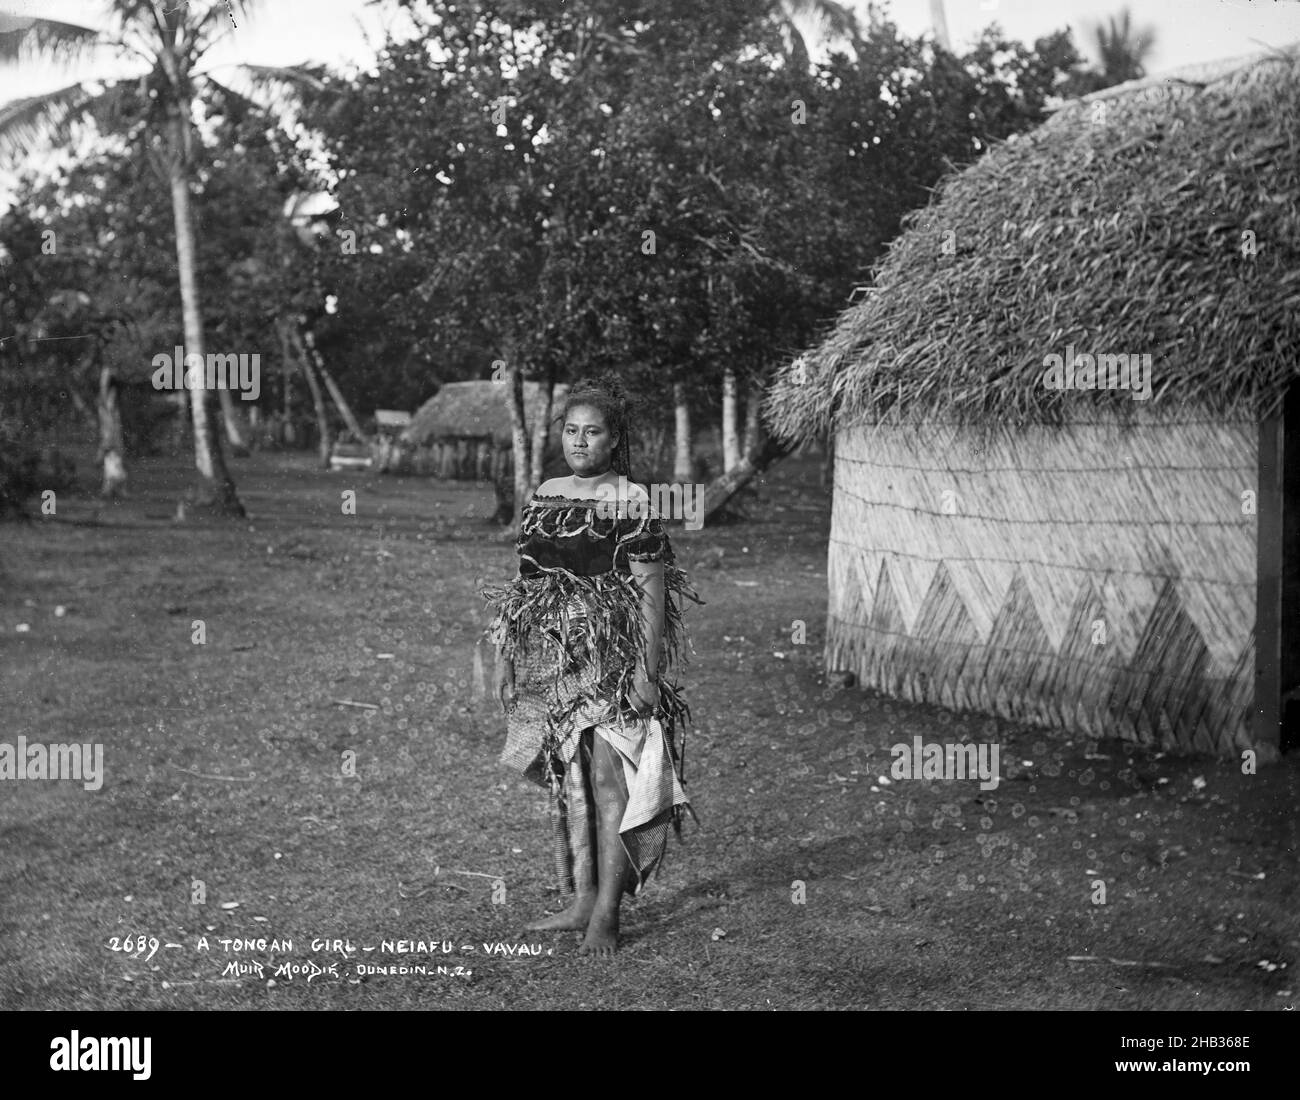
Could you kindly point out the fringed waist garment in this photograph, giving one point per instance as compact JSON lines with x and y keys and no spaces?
{"x":572,"y":624}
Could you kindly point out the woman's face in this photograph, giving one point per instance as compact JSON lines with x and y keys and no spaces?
{"x":588,"y":442}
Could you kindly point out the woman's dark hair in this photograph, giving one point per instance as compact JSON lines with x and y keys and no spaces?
{"x":606,"y":393}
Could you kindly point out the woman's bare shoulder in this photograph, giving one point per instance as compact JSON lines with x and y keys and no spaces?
{"x":553,"y":486}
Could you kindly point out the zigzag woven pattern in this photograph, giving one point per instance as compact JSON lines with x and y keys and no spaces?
{"x":1094,"y":578}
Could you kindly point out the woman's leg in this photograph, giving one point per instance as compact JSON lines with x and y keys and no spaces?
{"x":582,"y":857}
{"x":613,"y":864}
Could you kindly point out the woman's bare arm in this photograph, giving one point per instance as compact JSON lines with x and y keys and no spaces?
{"x":650,"y":575}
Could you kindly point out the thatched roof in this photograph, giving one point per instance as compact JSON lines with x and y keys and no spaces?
{"x":1116,"y":227}
{"x":476,"y":410}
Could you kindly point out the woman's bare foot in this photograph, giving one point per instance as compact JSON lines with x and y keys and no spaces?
{"x":602,"y":937}
{"x":575,"y":917}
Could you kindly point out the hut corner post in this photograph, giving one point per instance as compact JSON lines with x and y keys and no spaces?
{"x":1266,"y":725}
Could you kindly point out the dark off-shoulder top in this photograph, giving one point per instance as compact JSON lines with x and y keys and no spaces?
{"x":571,"y":621}
{"x":587,"y":537}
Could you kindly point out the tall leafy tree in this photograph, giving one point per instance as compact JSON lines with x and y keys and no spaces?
{"x":107,"y":212}
{"x":81,"y":315}
{"x":166,"y":42}
{"x":648,"y":184}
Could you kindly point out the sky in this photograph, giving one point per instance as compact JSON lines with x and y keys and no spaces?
{"x":343,"y":33}
{"x":335,"y":31}
{"x":1188,"y":32}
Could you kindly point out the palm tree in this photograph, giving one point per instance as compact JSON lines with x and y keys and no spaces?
{"x":939,"y":21}
{"x":1122,"y":50}
{"x":167,"y":42}
{"x":836,"y":22}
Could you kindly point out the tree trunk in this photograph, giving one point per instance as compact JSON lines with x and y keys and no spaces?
{"x":349,"y":417}
{"x":753,"y":415}
{"x":653,"y":438}
{"x":518,"y":439}
{"x":111,"y":449}
{"x":180,"y":418}
{"x":730,"y":440}
{"x":290,"y":438}
{"x":765,"y":451}
{"x":542,"y":429}
{"x":216,"y":489}
{"x":294,"y":348}
{"x":501,"y":489}
{"x":87,"y":414}
{"x":236,"y":430}
{"x":682,"y":469}
{"x":354,"y":425}
{"x":939,"y":21}
{"x":324,"y":443}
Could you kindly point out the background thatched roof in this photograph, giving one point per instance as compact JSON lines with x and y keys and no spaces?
{"x":476,"y":410}
{"x":1117,"y":226}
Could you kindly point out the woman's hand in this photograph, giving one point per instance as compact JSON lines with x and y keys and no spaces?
{"x":643,"y":697}
{"x":503,"y":682}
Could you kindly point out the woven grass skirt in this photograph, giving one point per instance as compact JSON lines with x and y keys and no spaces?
{"x":556,"y":702}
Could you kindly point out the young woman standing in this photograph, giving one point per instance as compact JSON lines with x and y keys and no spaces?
{"x":587,"y":635}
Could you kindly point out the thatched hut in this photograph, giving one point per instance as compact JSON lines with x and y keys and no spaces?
{"x":1015,"y":536}
{"x":463,"y":432}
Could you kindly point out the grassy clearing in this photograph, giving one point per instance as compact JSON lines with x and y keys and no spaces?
{"x":224,"y":764}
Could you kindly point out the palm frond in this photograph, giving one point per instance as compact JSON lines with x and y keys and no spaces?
{"x":284,"y":76}
{"x":226,"y":92}
{"x":837,"y":21}
{"x":242,"y":8}
{"x":268,"y":87}
{"x":208,"y":23}
{"x":22,"y":35}
{"x":796,"y":46}
{"x":26,"y":124}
